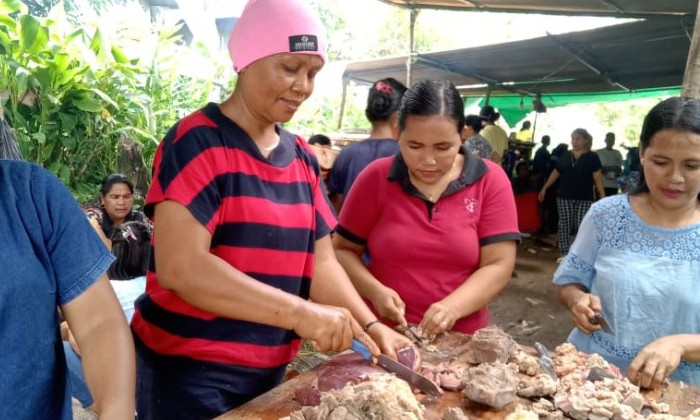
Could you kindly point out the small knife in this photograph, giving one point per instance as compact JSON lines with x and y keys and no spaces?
{"x":599,"y":319}
{"x":409,"y":375}
{"x":545,"y":361}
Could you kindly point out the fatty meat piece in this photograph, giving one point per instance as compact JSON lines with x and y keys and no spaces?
{"x":383,"y":398}
{"x":493,"y":384}
{"x":454,"y":413}
{"x":491,"y":344}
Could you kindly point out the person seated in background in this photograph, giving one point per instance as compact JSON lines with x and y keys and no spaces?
{"x":473,"y":141}
{"x":9,"y":148}
{"x":636,"y":257}
{"x":116,"y":207}
{"x":383,"y":102}
{"x":611,"y":160}
{"x":52,"y":258}
{"x":322,"y":147}
{"x":525,"y":133}
{"x":131,"y":245}
{"x":440,"y":223}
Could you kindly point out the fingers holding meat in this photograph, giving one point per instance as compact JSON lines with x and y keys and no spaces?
{"x":390,"y":306}
{"x":439,"y":318}
{"x":391,"y":342}
{"x":656,"y":362}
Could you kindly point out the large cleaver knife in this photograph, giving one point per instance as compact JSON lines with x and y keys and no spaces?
{"x":545,"y":361}
{"x":409,"y":375}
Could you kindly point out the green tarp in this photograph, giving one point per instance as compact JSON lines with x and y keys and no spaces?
{"x":515,"y":107}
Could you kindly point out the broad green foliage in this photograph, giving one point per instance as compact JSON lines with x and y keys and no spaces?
{"x":71,"y":92}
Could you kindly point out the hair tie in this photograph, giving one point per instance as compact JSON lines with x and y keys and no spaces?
{"x":382,"y":87}
{"x":128,"y":233}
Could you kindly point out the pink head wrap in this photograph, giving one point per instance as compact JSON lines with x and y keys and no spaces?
{"x":268,"y":27}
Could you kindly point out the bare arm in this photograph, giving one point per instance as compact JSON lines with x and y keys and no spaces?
{"x":332,"y":286}
{"x":106,"y":347}
{"x":385,"y":300}
{"x":494,"y":272}
{"x":550,"y":180}
{"x":96,"y":225}
{"x":598,"y":179}
{"x":207,"y":282}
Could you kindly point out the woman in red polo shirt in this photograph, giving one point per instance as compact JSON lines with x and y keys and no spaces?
{"x":439,"y":223}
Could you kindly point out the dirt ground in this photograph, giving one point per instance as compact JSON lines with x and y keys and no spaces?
{"x":528,"y":308}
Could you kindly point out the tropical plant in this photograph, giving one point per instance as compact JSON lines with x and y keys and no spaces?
{"x":70,"y":93}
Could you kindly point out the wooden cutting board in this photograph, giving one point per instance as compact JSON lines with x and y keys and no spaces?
{"x":278,"y":402}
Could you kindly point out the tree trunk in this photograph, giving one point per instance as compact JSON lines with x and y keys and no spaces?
{"x":691,"y":79}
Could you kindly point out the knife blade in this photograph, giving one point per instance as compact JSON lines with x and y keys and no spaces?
{"x":545,"y":361}
{"x":599,"y":319}
{"x":415,"y":379}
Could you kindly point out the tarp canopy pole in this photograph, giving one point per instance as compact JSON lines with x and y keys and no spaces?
{"x":411,"y":47}
{"x":691,"y":77}
{"x":342,"y":103}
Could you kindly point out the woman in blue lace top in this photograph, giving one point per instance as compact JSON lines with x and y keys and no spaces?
{"x":636,"y":258}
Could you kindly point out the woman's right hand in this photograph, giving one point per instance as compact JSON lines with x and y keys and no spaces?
{"x":331,"y":328}
{"x":390,"y":306}
{"x":582,"y":311}
{"x":541,"y":195}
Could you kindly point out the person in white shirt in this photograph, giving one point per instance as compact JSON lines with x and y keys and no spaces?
{"x":611,"y":160}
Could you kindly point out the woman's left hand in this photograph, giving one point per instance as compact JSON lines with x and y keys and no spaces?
{"x":439,"y":317}
{"x":389,"y":341}
{"x":655,"y":362}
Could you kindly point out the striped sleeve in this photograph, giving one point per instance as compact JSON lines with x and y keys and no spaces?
{"x":186,"y":167}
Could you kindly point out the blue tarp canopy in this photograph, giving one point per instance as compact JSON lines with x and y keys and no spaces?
{"x":628,"y":59}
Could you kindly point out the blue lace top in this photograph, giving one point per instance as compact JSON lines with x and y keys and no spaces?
{"x":647,"y":278}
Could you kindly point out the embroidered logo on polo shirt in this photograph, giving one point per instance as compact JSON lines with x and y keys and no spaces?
{"x":470,"y":204}
{"x":303,"y":43}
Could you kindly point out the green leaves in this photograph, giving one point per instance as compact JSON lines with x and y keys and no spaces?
{"x":33,"y":36}
{"x":84,"y":85}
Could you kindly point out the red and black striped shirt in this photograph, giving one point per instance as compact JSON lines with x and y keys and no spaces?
{"x":264,"y":216}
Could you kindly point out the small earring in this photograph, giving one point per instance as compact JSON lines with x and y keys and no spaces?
{"x":641,"y":161}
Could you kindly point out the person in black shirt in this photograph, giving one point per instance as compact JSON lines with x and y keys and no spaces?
{"x":578,"y":170}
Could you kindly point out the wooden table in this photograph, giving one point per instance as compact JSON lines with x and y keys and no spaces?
{"x":279,"y":402}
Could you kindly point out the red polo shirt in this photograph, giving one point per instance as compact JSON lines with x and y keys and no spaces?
{"x":423,"y":250}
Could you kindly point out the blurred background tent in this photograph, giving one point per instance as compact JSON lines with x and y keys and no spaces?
{"x":638,"y":59}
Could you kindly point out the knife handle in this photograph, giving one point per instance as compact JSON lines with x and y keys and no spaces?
{"x":361,"y":349}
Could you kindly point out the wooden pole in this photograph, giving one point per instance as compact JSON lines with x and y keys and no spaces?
{"x":342,"y":103}
{"x":411,"y":39}
{"x":691,"y":79}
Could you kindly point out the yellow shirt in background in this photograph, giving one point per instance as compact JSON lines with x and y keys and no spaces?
{"x":524,"y":135}
{"x":497,"y":138}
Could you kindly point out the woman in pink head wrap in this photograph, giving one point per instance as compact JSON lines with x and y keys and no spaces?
{"x":243,"y":266}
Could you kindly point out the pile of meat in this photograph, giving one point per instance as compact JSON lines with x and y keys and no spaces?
{"x":385,"y":397}
{"x":497,"y":372}
{"x":492,"y":370}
